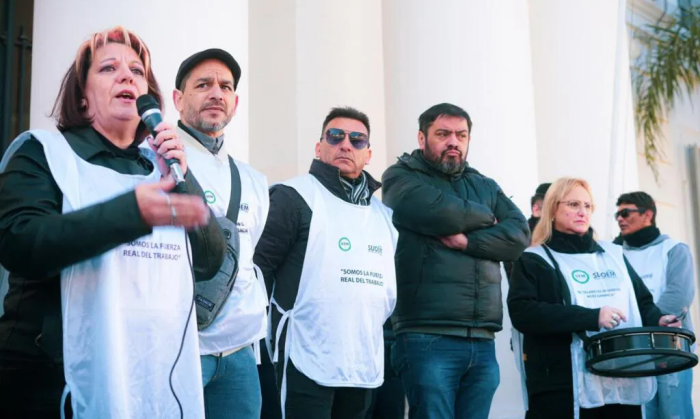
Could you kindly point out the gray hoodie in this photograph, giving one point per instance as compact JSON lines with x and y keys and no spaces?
{"x":680,"y":279}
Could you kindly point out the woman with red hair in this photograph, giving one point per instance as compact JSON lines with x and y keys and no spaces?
{"x":97,"y":252}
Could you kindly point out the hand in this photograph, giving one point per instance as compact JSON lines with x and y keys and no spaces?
{"x":168,"y":145}
{"x":669,"y":321}
{"x":158,"y":208}
{"x":610,"y":317}
{"x":455,"y":241}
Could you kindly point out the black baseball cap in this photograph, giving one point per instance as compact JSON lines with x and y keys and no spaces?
{"x":542,"y":189}
{"x":209,"y":54}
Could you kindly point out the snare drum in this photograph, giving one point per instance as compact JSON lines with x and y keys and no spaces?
{"x":640,"y":352}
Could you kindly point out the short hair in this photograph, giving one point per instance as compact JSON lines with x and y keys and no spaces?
{"x":345,"y":112}
{"x":540,"y":193}
{"x":426,"y":119}
{"x":68,"y":109}
{"x":642,"y":200}
{"x":555,"y":193}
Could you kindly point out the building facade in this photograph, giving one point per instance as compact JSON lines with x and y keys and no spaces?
{"x":546,"y":82}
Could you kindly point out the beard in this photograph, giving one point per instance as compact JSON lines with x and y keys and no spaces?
{"x":195,"y":120}
{"x":447,"y":164}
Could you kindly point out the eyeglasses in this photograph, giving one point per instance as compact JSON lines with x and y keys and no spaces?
{"x":625,"y":212}
{"x":577,"y":205}
{"x":335,"y":136}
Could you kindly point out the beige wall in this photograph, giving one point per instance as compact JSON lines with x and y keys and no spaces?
{"x":307,"y":57}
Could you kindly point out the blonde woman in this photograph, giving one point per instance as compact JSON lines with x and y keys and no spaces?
{"x":100,"y":284}
{"x":553,"y":297}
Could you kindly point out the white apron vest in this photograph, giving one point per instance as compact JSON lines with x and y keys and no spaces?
{"x":243,"y":319}
{"x":517,"y":339}
{"x":346,"y":292}
{"x":596,"y":280}
{"x":124,"y":312}
{"x":650,"y":264}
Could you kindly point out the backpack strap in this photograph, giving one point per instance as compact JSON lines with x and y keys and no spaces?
{"x":234,"y":204}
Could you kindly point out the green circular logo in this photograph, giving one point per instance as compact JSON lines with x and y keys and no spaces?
{"x":344,"y":244}
{"x":210,"y":197}
{"x":580,"y":276}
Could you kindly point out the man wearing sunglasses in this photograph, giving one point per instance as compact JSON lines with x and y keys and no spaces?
{"x":666,"y":267}
{"x":455,"y":227}
{"x":327,"y":253}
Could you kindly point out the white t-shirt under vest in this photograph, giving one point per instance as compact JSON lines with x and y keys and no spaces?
{"x":346,"y":292}
{"x":124,"y":312}
{"x":243,"y":318}
{"x":596,"y":280}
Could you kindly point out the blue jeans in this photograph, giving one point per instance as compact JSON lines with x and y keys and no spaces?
{"x":446,"y":377}
{"x":231,"y":386}
{"x":673,"y":399}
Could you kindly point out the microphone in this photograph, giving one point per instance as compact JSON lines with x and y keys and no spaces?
{"x":148,"y":110}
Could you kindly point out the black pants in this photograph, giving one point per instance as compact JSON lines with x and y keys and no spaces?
{"x":560,"y":405}
{"x":268,"y":386}
{"x":31,"y":389}
{"x":308,"y":400}
{"x":389,"y":400}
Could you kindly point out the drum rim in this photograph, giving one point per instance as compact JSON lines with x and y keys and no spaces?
{"x":690,"y":356}
{"x":638,"y":330}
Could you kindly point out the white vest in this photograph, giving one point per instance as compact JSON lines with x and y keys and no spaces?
{"x":346,"y":292}
{"x":124,"y":312}
{"x":596,"y":280}
{"x":243,"y":318}
{"x":650,"y":263}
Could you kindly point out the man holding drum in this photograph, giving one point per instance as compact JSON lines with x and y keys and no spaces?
{"x":666,"y":267}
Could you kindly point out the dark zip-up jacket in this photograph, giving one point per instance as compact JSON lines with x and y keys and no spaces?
{"x":539,"y":303}
{"x":441,"y":290}
{"x":37,"y":241}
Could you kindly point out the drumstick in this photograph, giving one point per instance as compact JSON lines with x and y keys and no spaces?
{"x":681,"y":316}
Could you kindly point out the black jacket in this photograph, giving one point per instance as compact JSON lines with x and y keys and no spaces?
{"x":441,"y":290}
{"x":282,"y":247}
{"x":37,"y":241}
{"x":539,"y":303}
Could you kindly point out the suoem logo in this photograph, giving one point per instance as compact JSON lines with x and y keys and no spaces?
{"x":583,"y":277}
{"x":605,"y":274}
{"x":580,"y":276}
{"x":375,"y":248}
{"x":344,"y":244}
{"x":210,"y":197}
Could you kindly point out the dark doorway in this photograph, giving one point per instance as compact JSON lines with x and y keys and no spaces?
{"x":16,"y":28}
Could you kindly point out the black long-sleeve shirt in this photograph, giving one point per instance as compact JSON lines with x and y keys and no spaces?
{"x":37,"y":241}
{"x":281,"y":250}
{"x":536,"y":306}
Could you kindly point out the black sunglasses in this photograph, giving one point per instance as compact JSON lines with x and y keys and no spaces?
{"x":335,"y":136}
{"x":624,"y":213}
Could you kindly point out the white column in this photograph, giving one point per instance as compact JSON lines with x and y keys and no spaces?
{"x":307,"y":57}
{"x":172,"y":29}
{"x":583,"y":100}
{"x":474,"y":54}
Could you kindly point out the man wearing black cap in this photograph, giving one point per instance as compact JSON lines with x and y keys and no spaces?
{"x":205,"y":96}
